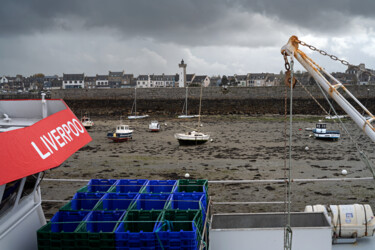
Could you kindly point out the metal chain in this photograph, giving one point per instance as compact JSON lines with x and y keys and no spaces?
{"x":334,"y":58}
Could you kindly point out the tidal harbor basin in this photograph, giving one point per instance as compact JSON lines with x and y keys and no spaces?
{"x":244,"y":162}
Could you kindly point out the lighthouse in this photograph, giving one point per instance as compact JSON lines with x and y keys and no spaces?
{"x":182,"y":74}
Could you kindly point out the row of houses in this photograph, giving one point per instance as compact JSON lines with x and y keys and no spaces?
{"x":118,"y":79}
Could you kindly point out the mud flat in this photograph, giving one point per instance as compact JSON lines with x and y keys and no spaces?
{"x":242,"y":148}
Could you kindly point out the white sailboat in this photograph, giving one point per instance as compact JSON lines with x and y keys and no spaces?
{"x":194,"y":137}
{"x":135,"y":116}
{"x":185,"y":116}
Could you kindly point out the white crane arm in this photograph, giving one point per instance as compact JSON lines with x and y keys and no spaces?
{"x":291,"y":49}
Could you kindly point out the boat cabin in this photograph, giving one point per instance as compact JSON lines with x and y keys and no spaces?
{"x":85,"y":119}
{"x":321,"y":125}
{"x":122,"y":128}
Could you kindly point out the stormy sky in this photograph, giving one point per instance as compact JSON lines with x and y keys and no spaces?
{"x":152,"y":36}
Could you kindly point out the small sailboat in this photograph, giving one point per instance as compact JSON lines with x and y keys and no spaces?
{"x":321,"y":132}
{"x":185,"y":116}
{"x":87,"y":122}
{"x":154,"y":126}
{"x":194,"y":137}
{"x":135,"y":116}
{"x":122,"y":133}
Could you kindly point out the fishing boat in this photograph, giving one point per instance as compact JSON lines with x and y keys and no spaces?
{"x":185,"y":107}
{"x":194,"y":137}
{"x":321,"y":132}
{"x":36,"y":135}
{"x":122,"y":133}
{"x":87,"y":122}
{"x":154,"y":126}
{"x":135,"y":116}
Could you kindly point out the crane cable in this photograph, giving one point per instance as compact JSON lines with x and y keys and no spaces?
{"x":361,"y":153}
{"x":288,"y":233}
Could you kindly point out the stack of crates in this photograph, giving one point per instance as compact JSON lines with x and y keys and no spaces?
{"x":130,"y":214}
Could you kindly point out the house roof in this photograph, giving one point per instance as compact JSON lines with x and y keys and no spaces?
{"x":101,"y":77}
{"x":74,"y":77}
{"x":116,"y":74}
{"x":189,"y":77}
{"x":254,"y":76}
{"x":241,"y":77}
{"x":142,"y":78}
{"x":90,"y":78}
{"x":199,"y":79}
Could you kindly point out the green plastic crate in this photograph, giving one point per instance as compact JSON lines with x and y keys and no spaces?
{"x":186,"y":185}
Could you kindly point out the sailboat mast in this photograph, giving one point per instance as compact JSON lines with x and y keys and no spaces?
{"x":186,"y":97}
{"x":200,"y":106}
{"x":135,"y":101}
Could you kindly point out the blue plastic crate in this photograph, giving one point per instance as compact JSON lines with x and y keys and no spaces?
{"x":102,"y":221}
{"x":180,"y":235}
{"x":129,"y":186}
{"x":188,"y":201}
{"x":151,"y":201}
{"x":116,"y":201}
{"x":85,"y":201}
{"x":137,"y":230}
{"x":160,"y":186}
{"x":67,"y":221}
{"x":100,"y":185}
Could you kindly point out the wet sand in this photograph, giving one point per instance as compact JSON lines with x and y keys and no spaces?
{"x":242,"y":148}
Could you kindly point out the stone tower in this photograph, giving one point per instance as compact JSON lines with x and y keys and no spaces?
{"x":182,"y":74}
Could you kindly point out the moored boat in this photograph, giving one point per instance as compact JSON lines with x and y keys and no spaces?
{"x":135,"y":116}
{"x":154,"y":126}
{"x":192,"y":138}
{"x":87,"y":122}
{"x":321,"y":132}
{"x":185,"y":107}
{"x":122,"y":133}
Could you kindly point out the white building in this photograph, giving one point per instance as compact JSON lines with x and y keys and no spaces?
{"x":73,"y":81}
{"x":143,"y":81}
{"x":162,"y":81}
{"x":102,"y":82}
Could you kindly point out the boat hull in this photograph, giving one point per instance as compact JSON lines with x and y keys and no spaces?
{"x":187,"y":116}
{"x":192,"y":138}
{"x":120,"y":137}
{"x":137,"y":117}
{"x":329,"y":135}
{"x":186,"y":142}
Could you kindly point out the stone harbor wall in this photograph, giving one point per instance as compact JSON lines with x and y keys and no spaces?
{"x":215,"y":100}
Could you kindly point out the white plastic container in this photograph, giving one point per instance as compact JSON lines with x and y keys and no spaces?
{"x":348,"y":221}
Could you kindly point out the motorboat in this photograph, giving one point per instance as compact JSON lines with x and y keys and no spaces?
{"x":321,"y":132}
{"x":87,"y":122}
{"x":122,"y":133}
{"x":154,"y":126}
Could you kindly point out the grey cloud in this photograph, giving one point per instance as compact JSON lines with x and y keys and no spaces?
{"x":184,"y":22}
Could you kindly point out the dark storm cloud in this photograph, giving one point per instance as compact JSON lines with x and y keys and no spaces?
{"x":179,"y":21}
